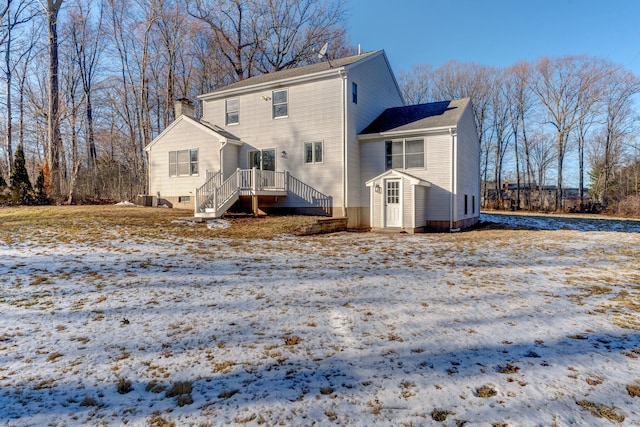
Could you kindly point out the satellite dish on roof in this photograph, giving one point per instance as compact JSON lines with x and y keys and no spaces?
{"x":323,"y":50}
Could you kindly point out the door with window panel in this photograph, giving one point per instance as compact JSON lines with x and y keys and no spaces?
{"x":393,"y":209}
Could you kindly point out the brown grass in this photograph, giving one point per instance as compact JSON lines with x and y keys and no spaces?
{"x":70,"y":223}
{"x":633,"y":390}
{"x":601,"y":410}
{"x":486,"y":391}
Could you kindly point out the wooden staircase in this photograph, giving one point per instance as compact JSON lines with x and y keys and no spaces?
{"x":216,"y":196}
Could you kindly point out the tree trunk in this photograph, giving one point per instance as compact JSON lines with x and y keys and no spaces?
{"x":8,"y":141}
{"x":54,"y":146}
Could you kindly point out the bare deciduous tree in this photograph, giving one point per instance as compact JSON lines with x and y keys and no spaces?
{"x":416,"y":84}
{"x":619,"y":121}
{"x":233,"y":25}
{"x":567,"y":87}
{"x":517,"y":81}
{"x":290,"y":31}
{"x":55,"y":155}
{"x":12,"y":14}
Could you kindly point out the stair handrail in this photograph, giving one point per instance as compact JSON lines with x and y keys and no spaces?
{"x":205,"y":191}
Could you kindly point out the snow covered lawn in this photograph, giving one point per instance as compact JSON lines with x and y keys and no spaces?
{"x":502,"y":327}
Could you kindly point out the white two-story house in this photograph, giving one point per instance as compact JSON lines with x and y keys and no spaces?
{"x":331,"y":138}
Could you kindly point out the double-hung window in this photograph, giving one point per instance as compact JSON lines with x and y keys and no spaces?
{"x":404,"y":154}
{"x":183,"y":163}
{"x":313,"y":152}
{"x":279,"y":103}
{"x":232,"y":111}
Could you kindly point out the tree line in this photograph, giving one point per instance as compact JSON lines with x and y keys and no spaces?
{"x":536,"y":117}
{"x":86,"y":85}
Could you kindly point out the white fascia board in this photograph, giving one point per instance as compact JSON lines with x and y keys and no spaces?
{"x":334,"y":72}
{"x":397,"y":174}
{"x":402,"y":133}
{"x":193,"y":122}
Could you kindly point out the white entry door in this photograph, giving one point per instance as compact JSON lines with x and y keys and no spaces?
{"x":393,"y":209}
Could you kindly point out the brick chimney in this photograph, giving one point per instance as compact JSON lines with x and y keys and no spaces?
{"x":184,"y":106}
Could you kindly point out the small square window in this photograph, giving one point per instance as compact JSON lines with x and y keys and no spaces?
{"x":279,"y":102}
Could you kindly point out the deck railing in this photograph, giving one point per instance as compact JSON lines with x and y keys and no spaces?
{"x":217,"y":195}
{"x":214,"y":194}
{"x":205,"y":192}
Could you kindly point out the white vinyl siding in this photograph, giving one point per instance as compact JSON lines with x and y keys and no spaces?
{"x":468,"y":167}
{"x":407,"y":201}
{"x":438,"y":148}
{"x":208,"y":159}
{"x":377,"y":91}
{"x":421,"y":207}
{"x":259,"y":131}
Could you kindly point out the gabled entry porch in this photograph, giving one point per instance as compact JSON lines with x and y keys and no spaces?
{"x":398,"y":201}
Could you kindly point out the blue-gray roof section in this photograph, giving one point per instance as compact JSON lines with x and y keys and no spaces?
{"x":418,"y":117}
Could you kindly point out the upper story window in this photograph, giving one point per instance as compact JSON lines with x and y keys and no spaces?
{"x":354,"y":93}
{"x":279,"y":102}
{"x":404,"y":154}
{"x":313,"y":152}
{"x":183,"y":163}
{"x":232,"y":110}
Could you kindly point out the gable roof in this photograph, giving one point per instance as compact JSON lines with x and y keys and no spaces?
{"x":418,"y":117}
{"x":292,"y":73}
{"x":398,"y":174}
{"x":216,"y":131}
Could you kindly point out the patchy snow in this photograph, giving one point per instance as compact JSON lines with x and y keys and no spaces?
{"x":563,"y":222}
{"x":125,"y":203}
{"x":351,"y":328}
{"x":218,"y":223}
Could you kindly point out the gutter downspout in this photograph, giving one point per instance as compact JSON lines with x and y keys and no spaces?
{"x":345,"y":151}
{"x":224,"y":144}
{"x":454,"y":180}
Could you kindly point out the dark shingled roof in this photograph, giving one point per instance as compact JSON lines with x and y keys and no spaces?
{"x":296,"y":72}
{"x":217,"y":129}
{"x":418,"y":117}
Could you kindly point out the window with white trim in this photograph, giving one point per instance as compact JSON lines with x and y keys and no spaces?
{"x":313,"y":152}
{"x":279,"y":103}
{"x":404,"y":154}
{"x":183,"y":163}
{"x":232,"y":111}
